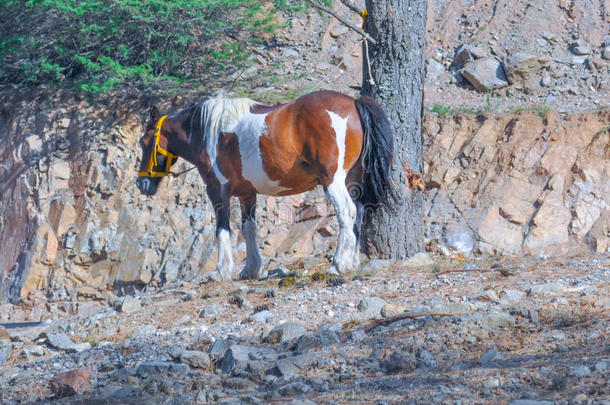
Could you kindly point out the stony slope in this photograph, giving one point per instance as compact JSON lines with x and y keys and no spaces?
{"x":488,"y":332}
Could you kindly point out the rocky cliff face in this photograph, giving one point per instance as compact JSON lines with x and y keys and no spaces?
{"x":525,"y":183}
{"x":73,"y":223}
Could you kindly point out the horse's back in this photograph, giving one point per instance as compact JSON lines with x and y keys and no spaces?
{"x":294,"y":147}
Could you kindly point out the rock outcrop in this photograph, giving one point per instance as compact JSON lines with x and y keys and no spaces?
{"x":74,"y":224}
{"x":526,"y":183}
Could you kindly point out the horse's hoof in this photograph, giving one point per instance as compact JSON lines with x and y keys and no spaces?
{"x":244,"y":275}
{"x":216,"y":276}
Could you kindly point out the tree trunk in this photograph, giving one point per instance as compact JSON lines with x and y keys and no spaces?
{"x":397,"y":67}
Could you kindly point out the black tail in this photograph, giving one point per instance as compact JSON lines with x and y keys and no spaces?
{"x":376,"y":156}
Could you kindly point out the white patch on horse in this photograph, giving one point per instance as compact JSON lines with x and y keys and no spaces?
{"x":254,"y":262}
{"x":347,"y":256}
{"x":217,"y":115}
{"x":249,"y":130}
{"x":224,"y":267}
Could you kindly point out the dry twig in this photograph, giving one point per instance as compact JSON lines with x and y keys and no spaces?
{"x":400,"y":317}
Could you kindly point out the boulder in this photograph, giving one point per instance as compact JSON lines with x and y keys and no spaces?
{"x":485,"y":74}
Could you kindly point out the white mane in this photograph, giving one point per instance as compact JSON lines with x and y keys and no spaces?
{"x":219,"y":114}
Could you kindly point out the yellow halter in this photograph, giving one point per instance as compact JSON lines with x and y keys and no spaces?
{"x":152,"y":160}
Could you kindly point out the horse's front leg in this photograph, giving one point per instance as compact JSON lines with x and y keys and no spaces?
{"x":225,"y":266}
{"x":254,"y":262}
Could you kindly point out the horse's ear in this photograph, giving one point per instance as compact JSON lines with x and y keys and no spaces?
{"x":154,"y":114}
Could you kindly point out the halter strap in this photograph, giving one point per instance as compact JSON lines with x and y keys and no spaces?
{"x":152,"y":160}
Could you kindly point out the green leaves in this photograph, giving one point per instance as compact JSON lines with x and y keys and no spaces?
{"x":95,"y":45}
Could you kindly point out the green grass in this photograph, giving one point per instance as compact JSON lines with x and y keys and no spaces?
{"x":540,"y":109}
{"x":442,"y":109}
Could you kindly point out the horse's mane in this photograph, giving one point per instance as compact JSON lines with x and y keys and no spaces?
{"x":214,"y":115}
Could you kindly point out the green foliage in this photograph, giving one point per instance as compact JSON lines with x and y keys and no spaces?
{"x":441,"y":109}
{"x":95,"y":45}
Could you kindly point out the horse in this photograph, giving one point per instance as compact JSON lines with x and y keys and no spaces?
{"x":243,"y":148}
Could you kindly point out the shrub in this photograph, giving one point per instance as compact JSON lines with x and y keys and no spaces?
{"x":94,"y":45}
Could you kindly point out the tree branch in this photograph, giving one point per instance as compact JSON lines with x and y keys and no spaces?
{"x":352,"y":6}
{"x":343,"y":21}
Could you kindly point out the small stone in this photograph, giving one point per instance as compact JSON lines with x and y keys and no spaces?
{"x":497,"y":319}
{"x":419,"y":259}
{"x":284,"y":368}
{"x":161,"y":367}
{"x":195,"y":359}
{"x":294,"y":388}
{"x":398,"y":362}
{"x":546,"y":289}
{"x":467,"y":53}
{"x":357,"y":335}
{"x":130,"y":305}
{"x":606,"y":53}
{"x":490,"y":356}
{"x":580,"y":48}
{"x":175,"y":353}
{"x":290,"y":53}
{"x":4,"y":334}
{"x":4,"y":353}
{"x":460,"y":240}
{"x":485,"y":74}
{"x":63,"y":122}
{"x":62,"y":341}
{"x":511,"y":295}
{"x":143,"y":331}
{"x":376,"y":265}
{"x":237,"y":383}
{"x":320,"y":338}
{"x":601,"y":366}
{"x":486,"y":296}
{"x":217,"y":349}
{"x":390,"y":310}
{"x":237,"y":357}
{"x":35,"y":350}
{"x":530,"y":402}
{"x":285,"y":332}
{"x":581,"y":371}
{"x":70,"y":383}
{"x":425,"y":359}
{"x":548,"y":35}
{"x":281,"y":272}
{"x":371,"y":306}
{"x":261,"y":316}
{"x":339,"y":30}
{"x":34,"y":143}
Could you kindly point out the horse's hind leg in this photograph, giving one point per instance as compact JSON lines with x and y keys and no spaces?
{"x":358,"y":229}
{"x":346,"y":257}
{"x":220,"y":202}
{"x":254,"y":262}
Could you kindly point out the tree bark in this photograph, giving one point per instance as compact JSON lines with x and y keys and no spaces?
{"x":397,"y":68}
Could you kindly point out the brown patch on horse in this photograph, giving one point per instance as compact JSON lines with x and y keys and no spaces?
{"x":300,"y":147}
{"x":229,"y":163}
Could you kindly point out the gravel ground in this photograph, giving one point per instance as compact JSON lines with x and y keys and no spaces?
{"x":488,"y":330}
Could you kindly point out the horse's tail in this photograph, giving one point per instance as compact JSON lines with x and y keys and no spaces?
{"x":376,"y":156}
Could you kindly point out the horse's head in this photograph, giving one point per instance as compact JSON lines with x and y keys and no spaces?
{"x":156,"y":159}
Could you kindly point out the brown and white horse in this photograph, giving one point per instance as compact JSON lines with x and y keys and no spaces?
{"x":243,"y":148}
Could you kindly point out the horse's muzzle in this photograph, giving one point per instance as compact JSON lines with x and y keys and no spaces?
{"x":146,"y":185}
